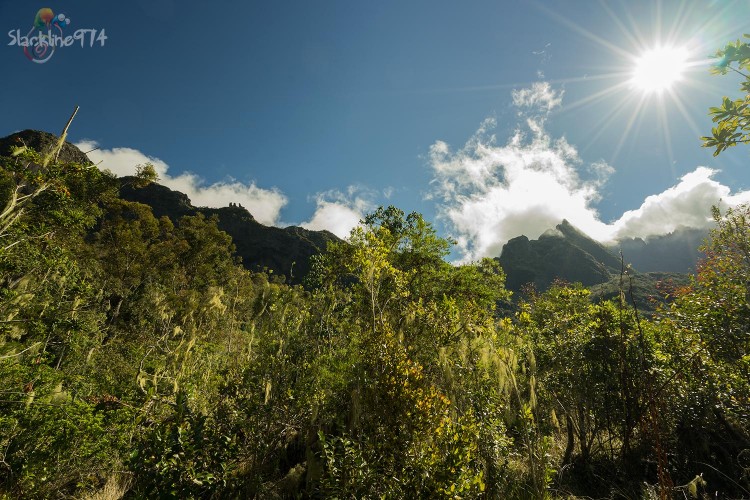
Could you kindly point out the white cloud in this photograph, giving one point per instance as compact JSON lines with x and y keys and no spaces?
{"x":340,"y":212}
{"x":488,"y":192}
{"x":491,"y":193}
{"x":601,"y":170}
{"x":264,"y":204}
{"x":540,"y":95}
{"x":685,"y":204}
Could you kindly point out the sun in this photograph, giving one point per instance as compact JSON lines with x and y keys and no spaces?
{"x":659,"y":68}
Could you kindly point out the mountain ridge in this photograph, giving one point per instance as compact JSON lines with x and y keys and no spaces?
{"x":678,"y":251}
{"x":567,"y":254}
{"x":283,"y":251}
{"x":564,"y":253}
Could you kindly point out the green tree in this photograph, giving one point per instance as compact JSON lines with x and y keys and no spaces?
{"x":56,"y":440}
{"x":423,"y":364}
{"x":732,"y":118}
{"x":709,"y":340}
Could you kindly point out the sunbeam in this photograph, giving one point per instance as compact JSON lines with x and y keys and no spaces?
{"x":664,"y":129}
{"x":635,"y":115}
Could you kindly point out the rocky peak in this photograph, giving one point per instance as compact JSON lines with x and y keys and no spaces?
{"x":43,"y":142}
{"x":563,"y":253}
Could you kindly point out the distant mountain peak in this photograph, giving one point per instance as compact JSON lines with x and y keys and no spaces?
{"x":580,"y":239}
{"x":552,"y":233}
{"x":568,"y":254}
{"x":562,"y":252}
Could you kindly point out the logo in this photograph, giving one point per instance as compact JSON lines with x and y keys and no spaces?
{"x":47,"y":35}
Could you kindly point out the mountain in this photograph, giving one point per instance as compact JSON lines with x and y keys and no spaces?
{"x":567,"y":254}
{"x":42,"y":142}
{"x":674,"y":252}
{"x":564,"y":253}
{"x":284,"y":251}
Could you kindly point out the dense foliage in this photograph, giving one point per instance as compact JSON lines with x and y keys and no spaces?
{"x":139,"y":359}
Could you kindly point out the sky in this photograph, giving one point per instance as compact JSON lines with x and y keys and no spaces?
{"x":491,"y":118}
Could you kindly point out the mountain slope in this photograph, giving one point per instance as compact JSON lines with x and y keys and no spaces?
{"x":567,"y":254}
{"x":284,"y":251}
{"x":649,"y":290}
{"x":564,"y":253}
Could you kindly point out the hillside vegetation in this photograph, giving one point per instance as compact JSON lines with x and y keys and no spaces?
{"x":138,"y":358}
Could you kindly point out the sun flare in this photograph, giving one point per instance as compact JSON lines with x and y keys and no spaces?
{"x":658,"y":69}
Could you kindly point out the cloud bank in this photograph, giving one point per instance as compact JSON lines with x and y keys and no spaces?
{"x":686,"y":204}
{"x":489,"y":192}
{"x":264,"y":204}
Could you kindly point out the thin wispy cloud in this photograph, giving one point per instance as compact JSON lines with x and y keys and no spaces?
{"x":540,"y":95}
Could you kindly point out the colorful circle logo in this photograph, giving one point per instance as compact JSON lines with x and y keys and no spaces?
{"x":47,"y":26}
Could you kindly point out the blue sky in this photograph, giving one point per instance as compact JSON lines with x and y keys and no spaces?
{"x":314,"y":112}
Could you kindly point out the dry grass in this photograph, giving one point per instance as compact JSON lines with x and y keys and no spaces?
{"x":114,"y":489}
